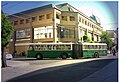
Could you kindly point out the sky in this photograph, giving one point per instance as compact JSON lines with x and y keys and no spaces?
{"x":105,"y":11}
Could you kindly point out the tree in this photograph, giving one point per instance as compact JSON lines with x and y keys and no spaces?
{"x":105,"y":38}
{"x":86,"y":38}
{"x":6,"y":31}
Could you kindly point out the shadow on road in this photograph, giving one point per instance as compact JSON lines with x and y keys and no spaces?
{"x":65,"y":73}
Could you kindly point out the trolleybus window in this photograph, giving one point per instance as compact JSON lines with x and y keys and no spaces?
{"x":50,"y":47}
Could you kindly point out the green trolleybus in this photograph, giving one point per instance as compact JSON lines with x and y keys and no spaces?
{"x":65,"y":50}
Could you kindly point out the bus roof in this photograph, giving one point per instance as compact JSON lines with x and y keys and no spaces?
{"x":23,"y":44}
{"x":94,"y":43}
{"x":27,"y":44}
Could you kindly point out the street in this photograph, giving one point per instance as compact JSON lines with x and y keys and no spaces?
{"x":67,"y":73}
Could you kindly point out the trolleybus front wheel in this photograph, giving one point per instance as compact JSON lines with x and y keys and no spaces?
{"x":64,"y":56}
{"x":96,"y":55}
{"x":39,"y":56}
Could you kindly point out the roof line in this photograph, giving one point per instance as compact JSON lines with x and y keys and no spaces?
{"x":82,"y":14}
{"x":35,"y":9}
{"x":78,"y":12}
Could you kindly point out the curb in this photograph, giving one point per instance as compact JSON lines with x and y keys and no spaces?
{"x":13,"y":63}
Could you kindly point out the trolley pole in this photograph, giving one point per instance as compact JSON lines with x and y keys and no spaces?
{"x":14,"y":41}
{"x":31,"y":30}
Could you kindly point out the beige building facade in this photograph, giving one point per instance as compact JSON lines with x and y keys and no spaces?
{"x":52,"y":23}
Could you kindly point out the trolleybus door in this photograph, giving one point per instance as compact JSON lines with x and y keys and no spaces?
{"x":77,"y":51}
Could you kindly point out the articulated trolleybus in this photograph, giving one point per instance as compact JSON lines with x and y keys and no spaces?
{"x":66,"y":50}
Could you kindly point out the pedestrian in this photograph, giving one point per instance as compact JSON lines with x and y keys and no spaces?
{"x":23,"y":53}
{"x":113,"y":51}
{"x":14,"y":53}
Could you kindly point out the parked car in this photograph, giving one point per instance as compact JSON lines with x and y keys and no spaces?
{"x":108,"y":51}
{"x":9,"y":56}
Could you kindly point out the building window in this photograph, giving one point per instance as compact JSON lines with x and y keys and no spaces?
{"x":45,"y":35}
{"x":64,"y":18}
{"x":66,"y":32}
{"x":86,"y":32}
{"x":44,"y":32}
{"x":80,"y":19}
{"x":28,"y":20}
{"x":22,"y":21}
{"x":34,"y":19}
{"x":23,"y":34}
{"x":41,"y":17}
{"x":88,"y":24}
{"x":15,"y":22}
{"x":41,"y":35}
{"x":49,"y":16}
{"x":92,"y":26}
{"x":72,"y":18}
{"x":85,"y":22}
{"x":49,"y":35}
{"x":57,"y":16}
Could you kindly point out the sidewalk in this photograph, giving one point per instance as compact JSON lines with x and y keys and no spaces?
{"x":108,"y":74}
{"x":12,"y":63}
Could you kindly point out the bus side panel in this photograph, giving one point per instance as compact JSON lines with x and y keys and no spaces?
{"x":45,"y":54}
{"x":49,"y":53}
{"x":102,"y":52}
{"x":31,"y":53}
{"x":89,"y":53}
{"x":55,"y":53}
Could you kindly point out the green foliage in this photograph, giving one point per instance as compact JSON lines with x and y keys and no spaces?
{"x":89,"y":39}
{"x":86,"y":38}
{"x":6,"y":30}
{"x":105,"y":38}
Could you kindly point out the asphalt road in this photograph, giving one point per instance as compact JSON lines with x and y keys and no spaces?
{"x":72,"y":73}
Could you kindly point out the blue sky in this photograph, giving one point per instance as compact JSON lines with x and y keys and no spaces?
{"x":106,"y":11}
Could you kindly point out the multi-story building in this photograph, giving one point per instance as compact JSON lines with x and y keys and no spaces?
{"x":59,"y":23}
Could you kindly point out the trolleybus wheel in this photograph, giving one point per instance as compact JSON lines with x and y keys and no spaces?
{"x":96,"y":55}
{"x":39,"y":56}
{"x":63,"y":55}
